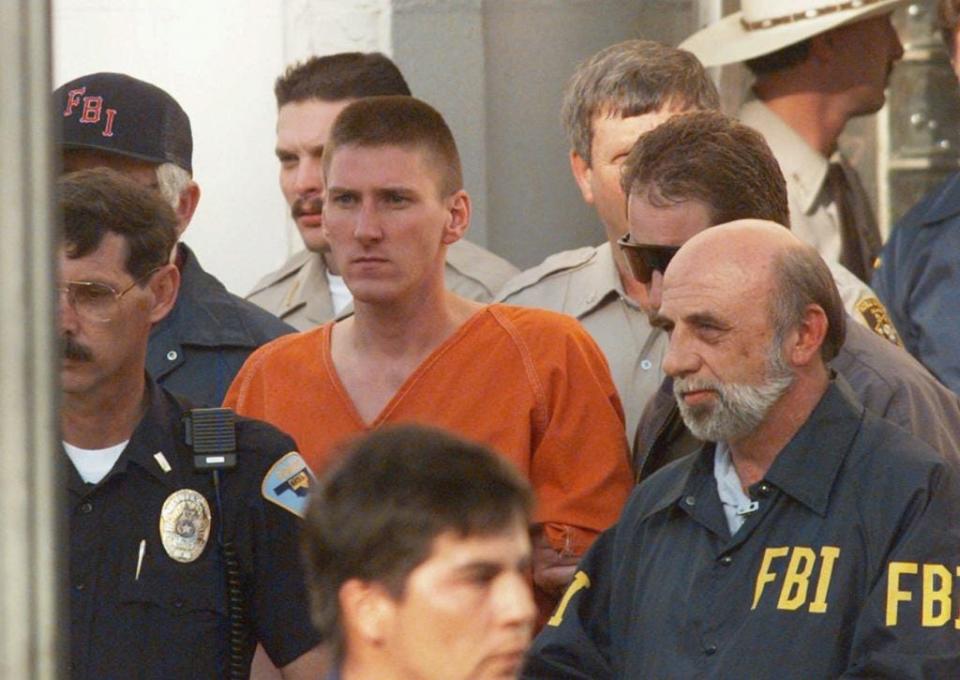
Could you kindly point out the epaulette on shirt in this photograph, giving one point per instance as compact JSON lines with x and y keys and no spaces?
{"x":558,"y":263}
{"x":294,"y":264}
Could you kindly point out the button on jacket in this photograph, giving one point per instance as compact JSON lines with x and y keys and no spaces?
{"x":201,"y":344}
{"x":847,"y":568}
{"x":155,"y":617}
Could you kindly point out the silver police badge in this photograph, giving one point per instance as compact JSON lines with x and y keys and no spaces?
{"x":185,"y":525}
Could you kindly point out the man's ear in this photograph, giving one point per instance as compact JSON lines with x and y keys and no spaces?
{"x":366,"y":609}
{"x":189,"y":199}
{"x":583,"y":174}
{"x":165,"y":283}
{"x":460,"y":209}
{"x":803,"y":344}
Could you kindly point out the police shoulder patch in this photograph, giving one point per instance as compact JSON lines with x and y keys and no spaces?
{"x":287,"y":484}
{"x":877,"y":319}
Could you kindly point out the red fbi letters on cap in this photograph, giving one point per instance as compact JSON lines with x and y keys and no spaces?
{"x":92,"y":110}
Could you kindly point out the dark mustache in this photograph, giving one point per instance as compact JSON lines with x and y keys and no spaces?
{"x":74,"y":351}
{"x":306,"y":205}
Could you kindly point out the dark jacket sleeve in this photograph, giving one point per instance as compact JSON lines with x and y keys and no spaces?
{"x":907,"y":628}
{"x":574,"y":645}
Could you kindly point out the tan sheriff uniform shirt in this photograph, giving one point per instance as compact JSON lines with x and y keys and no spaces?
{"x":299,"y":293}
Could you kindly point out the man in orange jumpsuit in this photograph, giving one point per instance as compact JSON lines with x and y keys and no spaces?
{"x":529,"y":383}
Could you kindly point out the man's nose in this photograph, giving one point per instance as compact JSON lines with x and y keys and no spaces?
{"x":67,"y":318}
{"x":655,"y":291}
{"x":309,"y":178}
{"x":679,"y":360}
{"x":515,"y":605}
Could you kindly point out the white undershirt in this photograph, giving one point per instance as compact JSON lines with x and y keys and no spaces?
{"x":736,"y":503}
{"x":339,"y":292}
{"x":94,"y":464}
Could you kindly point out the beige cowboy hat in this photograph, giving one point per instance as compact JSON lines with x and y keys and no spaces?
{"x":765,"y":26}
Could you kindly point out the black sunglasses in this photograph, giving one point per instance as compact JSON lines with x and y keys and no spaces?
{"x":644,"y":259}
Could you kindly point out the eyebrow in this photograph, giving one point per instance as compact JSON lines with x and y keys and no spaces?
{"x":660,"y":321}
{"x":706,"y":318}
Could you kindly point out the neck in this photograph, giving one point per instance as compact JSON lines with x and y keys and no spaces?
{"x":754,"y":454}
{"x":409,"y":329}
{"x":102,"y":419}
{"x":813,"y":115}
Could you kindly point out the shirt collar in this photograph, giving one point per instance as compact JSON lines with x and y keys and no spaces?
{"x":595,"y":283}
{"x":803,"y":166}
{"x":159,"y":431}
{"x":153,"y":435}
{"x":806,"y":467}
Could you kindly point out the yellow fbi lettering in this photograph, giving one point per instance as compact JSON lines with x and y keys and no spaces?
{"x":936,"y":599}
{"x":579,"y":582}
{"x":796,"y":567}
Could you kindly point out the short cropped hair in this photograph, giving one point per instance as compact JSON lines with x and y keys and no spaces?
{"x":333,"y":78}
{"x":948,"y":20}
{"x":713,"y":158}
{"x":802,"y":278}
{"x":376,"y":515}
{"x":782,"y":59}
{"x":398,"y":121}
{"x":96,"y":202}
{"x":632,"y":78}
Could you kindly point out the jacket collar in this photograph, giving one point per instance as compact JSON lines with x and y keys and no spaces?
{"x":807,"y":466}
{"x":946,"y":204}
{"x":205,"y":313}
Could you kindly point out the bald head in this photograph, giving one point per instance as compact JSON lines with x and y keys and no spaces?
{"x":758,"y":261}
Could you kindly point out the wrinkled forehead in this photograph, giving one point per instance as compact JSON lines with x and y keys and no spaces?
{"x":700,"y":280}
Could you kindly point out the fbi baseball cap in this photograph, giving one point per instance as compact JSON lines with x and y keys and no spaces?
{"x":116,"y":113}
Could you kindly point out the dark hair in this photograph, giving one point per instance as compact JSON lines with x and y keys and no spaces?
{"x":95,"y":202}
{"x":782,"y":59}
{"x":348,"y":75}
{"x":948,"y":20}
{"x":710,"y":157}
{"x":398,"y":121}
{"x":375,"y":516}
{"x":632,"y":78}
{"x":803,"y":278}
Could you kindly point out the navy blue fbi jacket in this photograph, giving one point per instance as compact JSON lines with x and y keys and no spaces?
{"x":148,"y":598}
{"x":197,"y":350}
{"x":849,"y":568}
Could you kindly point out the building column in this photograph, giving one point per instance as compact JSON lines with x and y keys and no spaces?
{"x":32,"y":549}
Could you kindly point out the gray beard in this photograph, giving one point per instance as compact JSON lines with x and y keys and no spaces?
{"x":737,"y":410}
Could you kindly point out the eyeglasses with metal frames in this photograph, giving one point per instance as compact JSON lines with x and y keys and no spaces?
{"x":96,"y":301}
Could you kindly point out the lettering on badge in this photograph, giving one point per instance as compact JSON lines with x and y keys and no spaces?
{"x":795,"y":569}
{"x":935,"y":585}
